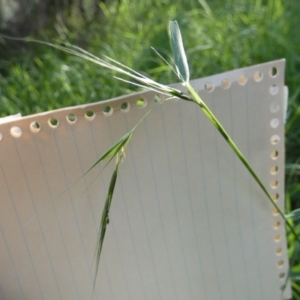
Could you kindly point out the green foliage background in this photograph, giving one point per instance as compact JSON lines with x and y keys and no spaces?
{"x":218,"y":35}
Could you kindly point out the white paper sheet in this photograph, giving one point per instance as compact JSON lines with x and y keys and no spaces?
{"x":187,"y":221}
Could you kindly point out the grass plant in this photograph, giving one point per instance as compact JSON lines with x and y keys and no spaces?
{"x":181,"y":69}
{"x":218,"y":37}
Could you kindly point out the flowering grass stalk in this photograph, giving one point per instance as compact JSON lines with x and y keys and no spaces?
{"x":180,"y":61}
{"x":117,"y":151}
{"x":182,"y":71}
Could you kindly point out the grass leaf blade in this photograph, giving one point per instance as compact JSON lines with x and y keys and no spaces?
{"x":118,"y":147}
{"x":113,"y":150}
{"x":105,"y":217}
{"x":295,"y":214}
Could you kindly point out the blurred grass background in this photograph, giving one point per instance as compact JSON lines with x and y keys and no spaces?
{"x":218,"y":35}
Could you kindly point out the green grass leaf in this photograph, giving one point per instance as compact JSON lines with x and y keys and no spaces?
{"x":295,"y":214}
{"x":113,"y":150}
{"x":295,"y":275}
{"x":105,"y":217}
{"x":118,"y":148}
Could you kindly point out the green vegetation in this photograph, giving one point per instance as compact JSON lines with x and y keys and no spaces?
{"x":219,"y":37}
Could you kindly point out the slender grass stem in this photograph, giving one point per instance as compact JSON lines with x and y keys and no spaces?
{"x":196,"y":98}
